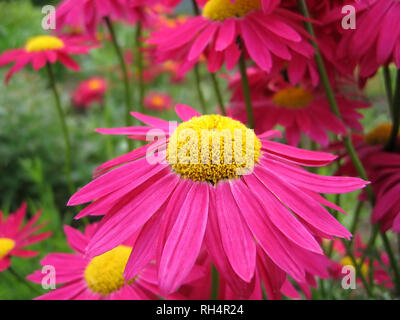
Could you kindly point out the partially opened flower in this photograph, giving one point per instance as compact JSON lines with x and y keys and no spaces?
{"x":264,"y":35}
{"x":89,"y":91}
{"x":243,"y":194}
{"x":157,"y":101}
{"x":299,"y":109}
{"x":86,"y":277}
{"x":15,"y":236}
{"x":43,"y":49}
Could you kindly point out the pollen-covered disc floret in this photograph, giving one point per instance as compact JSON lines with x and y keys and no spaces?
{"x":379,"y":135}
{"x":224,"y":9}
{"x":42,"y":43}
{"x":212,"y":148}
{"x":104,"y":273}
{"x":6,"y":245}
{"x":293,"y":98}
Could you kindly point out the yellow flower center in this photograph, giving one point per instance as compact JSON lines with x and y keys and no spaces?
{"x":224,"y":9}
{"x":157,"y":101}
{"x":94,"y":84}
{"x":293,"y":98}
{"x":42,"y":43}
{"x":6,"y":245}
{"x":212,"y":148}
{"x":346,"y":261}
{"x":379,"y":135}
{"x":104,"y":273}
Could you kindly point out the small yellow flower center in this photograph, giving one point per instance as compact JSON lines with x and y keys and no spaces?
{"x":212,"y":148}
{"x":157,"y":101}
{"x":42,"y":43}
{"x":224,"y":9}
{"x":6,"y":245}
{"x":104,"y":273}
{"x":379,"y":135}
{"x":293,"y":98}
{"x":347,"y":261}
{"x":94,"y":84}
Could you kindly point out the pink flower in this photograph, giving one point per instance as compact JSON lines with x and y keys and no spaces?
{"x":88,"y":14}
{"x":88,"y":91}
{"x":180,"y":204}
{"x":157,"y":101}
{"x":43,"y":49}
{"x":299,"y":109}
{"x":376,"y":40}
{"x":267,"y":35}
{"x":383,"y":169}
{"x":86,"y":277}
{"x":14,"y":236}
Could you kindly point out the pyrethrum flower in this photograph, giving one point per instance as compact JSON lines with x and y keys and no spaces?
{"x":86,"y":277}
{"x":265,"y":35}
{"x":260,"y":202}
{"x":383,"y":169}
{"x":157,"y":101}
{"x":299,"y":109}
{"x":15,"y":236}
{"x":43,"y":49}
{"x":89,"y":91}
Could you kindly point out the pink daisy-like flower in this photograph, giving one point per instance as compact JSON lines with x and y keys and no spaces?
{"x":14,"y":236}
{"x":376,"y":40}
{"x":86,"y":277}
{"x":157,"y":101}
{"x":88,"y":14}
{"x":89,"y":91}
{"x":265,"y":36}
{"x":43,"y":49}
{"x":260,"y":201}
{"x":380,"y":275}
{"x":299,"y":109}
{"x":383,"y":169}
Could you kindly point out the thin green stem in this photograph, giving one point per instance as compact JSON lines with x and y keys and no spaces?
{"x":388,"y":86}
{"x":198,"y":88}
{"x":218,"y":93}
{"x":64,"y":128}
{"x":396,"y":116}
{"x":128,"y":96}
{"x":246,"y":91}
{"x":215,"y":284}
{"x":139,"y":65}
{"x":356,"y":219}
{"x":24,"y":281}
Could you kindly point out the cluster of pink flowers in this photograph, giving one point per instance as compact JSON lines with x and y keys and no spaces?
{"x":263,"y":222}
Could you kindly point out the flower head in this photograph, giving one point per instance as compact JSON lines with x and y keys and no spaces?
{"x":88,"y":91}
{"x":43,"y":49}
{"x":158,"y":101}
{"x":265,"y":36}
{"x":269,"y":206}
{"x":14,"y":236}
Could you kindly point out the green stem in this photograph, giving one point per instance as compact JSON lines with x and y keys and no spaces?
{"x":392,"y":260}
{"x":246,"y":91}
{"x":64,"y":128}
{"x":356,"y":219}
{"x":396,"y":116}
{"x":128,"y":97}
{"x":218,"y":93}
{"x":24,"y":281}
{"x":215,"y":284}
{"x":139,"y":65}
{"x":198,"y":88}
{"x":388,"y":86}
